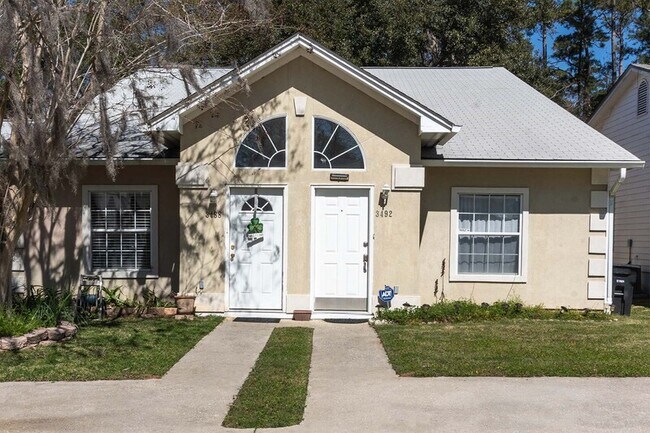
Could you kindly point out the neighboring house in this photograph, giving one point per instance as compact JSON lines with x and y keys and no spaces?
{"x":454,"y":182}
{"x":623,"y":117}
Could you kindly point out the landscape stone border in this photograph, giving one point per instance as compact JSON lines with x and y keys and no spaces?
{"x":40,"y":337}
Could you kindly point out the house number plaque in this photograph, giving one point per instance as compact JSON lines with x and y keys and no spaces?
{"x":339,"y":177}
{"x":384,"y":213}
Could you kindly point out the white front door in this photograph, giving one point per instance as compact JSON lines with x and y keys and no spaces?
{"x":341,"y":249}
{"x":255,"y":266}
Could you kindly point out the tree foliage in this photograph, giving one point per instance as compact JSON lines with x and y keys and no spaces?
{"x":56,"y":56}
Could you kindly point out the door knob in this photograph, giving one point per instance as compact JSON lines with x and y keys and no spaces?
{"x":232,"y":256}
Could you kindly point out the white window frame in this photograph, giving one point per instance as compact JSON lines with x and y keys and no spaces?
{"x":286,"y":144}
{"x":454,"y":275}
{"x":86,"y":230}
{"x":313,"y":146}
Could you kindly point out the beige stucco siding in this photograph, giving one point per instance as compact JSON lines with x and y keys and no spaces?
{"x":409,"y":239}
{"x":385,"y":137}
{"x":558,"y":235}
{"x":54,"y":244}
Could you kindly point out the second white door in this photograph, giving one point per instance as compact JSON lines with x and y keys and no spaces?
{"x":341,"y":248}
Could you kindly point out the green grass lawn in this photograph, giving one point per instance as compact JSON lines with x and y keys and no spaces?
{"x":275,"y":391}
{"x":124,"y":349}
{"x":521,"y":347}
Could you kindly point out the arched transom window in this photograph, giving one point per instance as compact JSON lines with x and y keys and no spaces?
{"x":335,"y":147}
{"x":264,"y":146}
{"x":262,"y":205}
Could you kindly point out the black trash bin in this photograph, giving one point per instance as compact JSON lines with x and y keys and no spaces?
{"x":625,"y":280}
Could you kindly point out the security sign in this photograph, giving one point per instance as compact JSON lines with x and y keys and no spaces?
{"x":387,"y":294}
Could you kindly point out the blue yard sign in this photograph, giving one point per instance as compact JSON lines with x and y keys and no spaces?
{"x":387,"y":294}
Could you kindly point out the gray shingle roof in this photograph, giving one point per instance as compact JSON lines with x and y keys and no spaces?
{"x":502,"y":117}
{"x":162,"y":88}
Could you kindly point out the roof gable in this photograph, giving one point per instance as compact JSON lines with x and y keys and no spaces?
{"x":632,"y":75}
{"x":434,"y":128}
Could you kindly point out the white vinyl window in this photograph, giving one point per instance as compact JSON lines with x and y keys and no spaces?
{"x":120,"y":224}
{"x":335,"y":147}
{"x":264,"y":146}
{"x":489,"y":229}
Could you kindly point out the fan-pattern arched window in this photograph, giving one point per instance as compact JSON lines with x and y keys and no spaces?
{"x":263,"y":205}
{"x":264,"y":146}
{"x":642,"y":98}
{"x":335,"y":147}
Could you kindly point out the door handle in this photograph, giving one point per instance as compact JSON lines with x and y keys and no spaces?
{"x":232,"y":256}
{"x":365,"y":263}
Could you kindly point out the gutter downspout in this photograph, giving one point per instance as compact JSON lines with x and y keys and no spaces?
{"x":610,"y":236}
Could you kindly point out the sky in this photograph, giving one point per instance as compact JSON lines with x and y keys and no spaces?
{"x":603,"y":53}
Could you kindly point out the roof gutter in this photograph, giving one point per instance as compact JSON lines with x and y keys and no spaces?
{"x":622,"y":175}
{"x":520,"y":163}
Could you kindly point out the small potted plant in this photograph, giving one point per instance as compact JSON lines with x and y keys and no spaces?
{"x":158,"y":307}
{"x":185,"y":303}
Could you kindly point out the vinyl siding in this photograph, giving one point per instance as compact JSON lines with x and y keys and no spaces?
{"x":632,"y":211}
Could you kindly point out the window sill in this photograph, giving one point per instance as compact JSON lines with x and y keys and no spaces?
{"x":119,"y":274}
{"x":483,"y":278}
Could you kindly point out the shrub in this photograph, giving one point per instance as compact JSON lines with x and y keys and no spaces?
{"x":468,"y":311}
{"x":39,"y":307}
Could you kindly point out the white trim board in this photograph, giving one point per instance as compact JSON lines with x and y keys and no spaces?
{"x":520,"y":163}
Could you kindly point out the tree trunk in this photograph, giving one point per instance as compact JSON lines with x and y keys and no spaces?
{"x":613,"y":40}
{"x":544,"y":32}
{"x":17,"y":215}
{"x":6,"y":261}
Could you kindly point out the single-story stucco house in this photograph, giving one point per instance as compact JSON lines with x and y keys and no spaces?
{"x":300,"y":181}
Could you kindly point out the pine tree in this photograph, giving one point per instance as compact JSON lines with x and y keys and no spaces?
{"x":642,"y":32}
{"x":575,"y":50}
{"x":545,"y":14}
{"x":617,"y":17}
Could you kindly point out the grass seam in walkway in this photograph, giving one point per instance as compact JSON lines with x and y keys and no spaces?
{"x":275,"y":392}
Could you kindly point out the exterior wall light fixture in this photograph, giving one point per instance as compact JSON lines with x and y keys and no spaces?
{"x":213,"y":197}
{"x":383,"y":196}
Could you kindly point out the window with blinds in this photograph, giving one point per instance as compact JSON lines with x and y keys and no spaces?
{"x":120,"y":225}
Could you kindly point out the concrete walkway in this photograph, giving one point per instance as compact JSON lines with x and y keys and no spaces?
{"x":192,"y":397}
{"x":351,"y":388}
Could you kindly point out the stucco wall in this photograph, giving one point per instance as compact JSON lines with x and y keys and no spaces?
{"x":54,"y":243}
{"x":386,"y":138}
{"x":558,"y":235}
